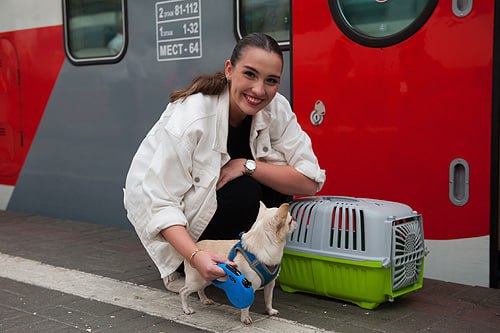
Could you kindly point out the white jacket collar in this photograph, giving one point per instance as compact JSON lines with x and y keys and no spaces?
{"x":222,"y":122}
{"x":262,"y":119}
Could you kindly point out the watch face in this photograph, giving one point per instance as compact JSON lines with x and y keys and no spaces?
{"x":250,"y":165}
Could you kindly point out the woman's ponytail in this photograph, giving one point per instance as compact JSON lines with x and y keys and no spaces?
{"x":206,"y":84}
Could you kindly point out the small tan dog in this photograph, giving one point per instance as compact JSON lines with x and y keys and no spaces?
{"x":265,"y":240}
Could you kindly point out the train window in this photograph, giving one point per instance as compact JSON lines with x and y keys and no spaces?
{"x":95,"y":30}
{"x":271,"y":17}
{"x":379,"y":23}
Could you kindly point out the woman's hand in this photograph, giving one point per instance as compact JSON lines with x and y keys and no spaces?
{"x":206,"y":262}
{"x":230,"y":171}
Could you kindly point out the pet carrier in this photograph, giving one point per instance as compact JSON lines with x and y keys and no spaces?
{"x":363,"y":251}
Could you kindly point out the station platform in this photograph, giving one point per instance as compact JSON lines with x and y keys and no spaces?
{"x":67,"y":276}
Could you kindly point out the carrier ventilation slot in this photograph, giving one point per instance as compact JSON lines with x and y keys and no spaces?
{"x":407,"y":252}
{"x":302,"y":213}
{"x":347,"y":229}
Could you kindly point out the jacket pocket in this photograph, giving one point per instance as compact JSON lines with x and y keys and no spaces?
{"x":197,"y":196}
{"x":202,"y":178}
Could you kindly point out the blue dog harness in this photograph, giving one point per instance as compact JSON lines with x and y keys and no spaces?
{"x":266,"y":273}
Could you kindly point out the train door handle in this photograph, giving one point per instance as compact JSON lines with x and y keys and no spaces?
{"x":459,"y":182}
{"x":461,"y":8}
{"x":318,"y":113}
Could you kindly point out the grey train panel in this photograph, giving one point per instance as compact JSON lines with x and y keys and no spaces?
{"x":97,"y":116}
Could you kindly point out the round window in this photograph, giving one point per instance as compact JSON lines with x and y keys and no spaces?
{"x":379,"y":23}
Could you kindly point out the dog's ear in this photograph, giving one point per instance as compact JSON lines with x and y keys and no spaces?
{"x":283,"y":211}
{"x":281,"y":218}
{"x":262,"y":208}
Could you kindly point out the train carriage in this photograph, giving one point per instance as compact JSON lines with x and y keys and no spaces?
{"x":400,"y":99}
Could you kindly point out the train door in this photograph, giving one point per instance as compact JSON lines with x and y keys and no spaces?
{"x":10,"y":113}
{"x":396,"y":97}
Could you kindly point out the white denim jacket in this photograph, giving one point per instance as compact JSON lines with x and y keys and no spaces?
{"x":172,"y":177}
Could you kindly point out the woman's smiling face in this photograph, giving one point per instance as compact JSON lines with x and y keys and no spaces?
{"x":254,"y":81}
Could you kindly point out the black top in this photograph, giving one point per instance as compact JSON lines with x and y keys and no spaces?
{"x":238,"y":146}
{"x":238,"y":140}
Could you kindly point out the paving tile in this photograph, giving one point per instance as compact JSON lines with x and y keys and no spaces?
{"x":93,"y":307}
{"x":326,"y":323}
{"x":44,"y":326}
{"x":413,"y":322}
{"x":70,"y":317}
{"x":20,"y":322}
{"x":475,"y":294}
{"x":156,"y":283}
{"x":147,"y":324}
{"x":459,"y":326}
{"x":481,"y":315}
{"x":31,"y":300}
{"x":8,"y":313}
{"x":493,"y":299}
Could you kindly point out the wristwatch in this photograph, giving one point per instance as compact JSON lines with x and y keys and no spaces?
{"x":250,"y":167}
